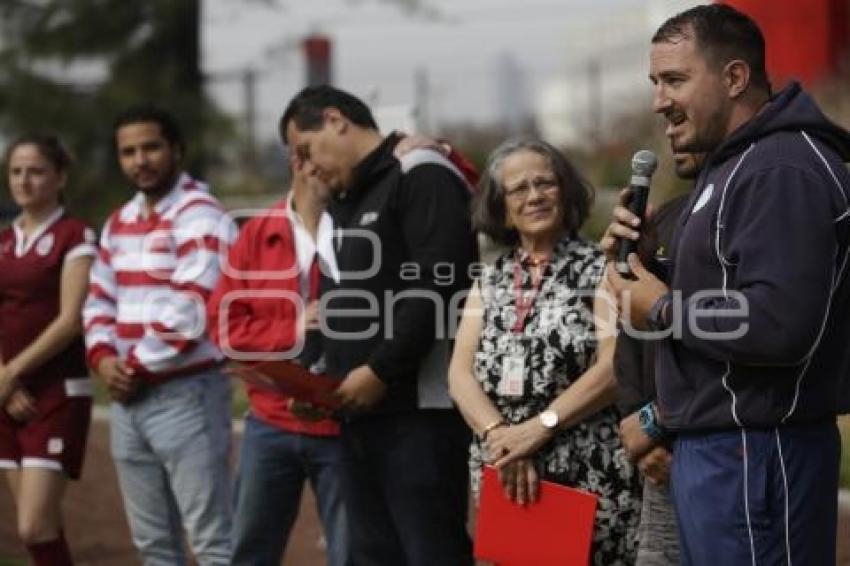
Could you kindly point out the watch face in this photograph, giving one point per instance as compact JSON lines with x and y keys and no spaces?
{"x":549,"y":419}
{"x":646,"y":417}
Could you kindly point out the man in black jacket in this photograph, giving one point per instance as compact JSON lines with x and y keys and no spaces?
{"x":404,"y":252}
{"x":754,"y":317}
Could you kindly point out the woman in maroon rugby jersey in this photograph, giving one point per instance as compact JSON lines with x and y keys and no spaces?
{"x":45,"y":392}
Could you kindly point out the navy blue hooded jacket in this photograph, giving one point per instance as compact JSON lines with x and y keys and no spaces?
{"x":760,"y":277}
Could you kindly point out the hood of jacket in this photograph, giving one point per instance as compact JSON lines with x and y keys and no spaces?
{"x":791,"y":109}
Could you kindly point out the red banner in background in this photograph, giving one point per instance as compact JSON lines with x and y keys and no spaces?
{"x":806,"y":40}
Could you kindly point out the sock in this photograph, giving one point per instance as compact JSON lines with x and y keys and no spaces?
{"x":51,"y":553}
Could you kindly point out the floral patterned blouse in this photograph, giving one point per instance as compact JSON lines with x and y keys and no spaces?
{"x":558,"y":344}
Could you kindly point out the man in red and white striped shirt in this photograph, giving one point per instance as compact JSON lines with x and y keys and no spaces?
{"x":145,"y":326}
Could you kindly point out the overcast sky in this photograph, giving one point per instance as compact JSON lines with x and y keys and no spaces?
{"x":459,"y":43}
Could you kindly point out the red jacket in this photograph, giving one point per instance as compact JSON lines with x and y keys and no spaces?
{"x":262,"y":259}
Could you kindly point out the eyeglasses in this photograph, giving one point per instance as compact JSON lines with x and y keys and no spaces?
{"x":544,"y":185}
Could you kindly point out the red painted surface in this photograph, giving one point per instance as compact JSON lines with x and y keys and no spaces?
{"x":806,"y":40}
{"x":318,"y":50}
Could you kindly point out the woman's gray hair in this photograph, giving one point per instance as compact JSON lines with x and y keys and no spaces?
{"x":574,"y":192}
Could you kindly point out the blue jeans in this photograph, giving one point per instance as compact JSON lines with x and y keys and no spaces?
{"x":273,"y":465}
{"x":171,"y":450}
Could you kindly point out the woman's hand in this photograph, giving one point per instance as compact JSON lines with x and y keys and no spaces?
{"x":21,"y":406}
{"x":8,"y":383}
{"x":520,"y":481}
{"x":118,"y":377}
{"x":508,"y":444}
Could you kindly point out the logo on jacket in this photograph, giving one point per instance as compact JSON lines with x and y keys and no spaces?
{"x":55,"y":446}
{"x":704,"y":197}
{"x":44,"y":245}
{"x":368,"y":218}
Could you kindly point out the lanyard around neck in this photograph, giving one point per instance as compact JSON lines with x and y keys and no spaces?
{"x":525,"y":300}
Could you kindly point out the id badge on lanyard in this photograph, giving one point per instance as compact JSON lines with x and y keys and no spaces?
{"x":513,"y":378}
{"x":512,"y":381}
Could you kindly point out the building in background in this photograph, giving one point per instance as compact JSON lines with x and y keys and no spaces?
{"x":807,"y":40}
{"x":512,"y":95}
{"x":605,"y":73}
{"x":318,"y":59}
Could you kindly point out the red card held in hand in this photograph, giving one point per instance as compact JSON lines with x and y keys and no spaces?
{"x":291,"y":380}
{"x":556,"y":530}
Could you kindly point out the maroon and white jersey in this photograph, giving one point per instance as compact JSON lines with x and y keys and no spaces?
{"x":151,"y":280}
{"x":30,"y":281}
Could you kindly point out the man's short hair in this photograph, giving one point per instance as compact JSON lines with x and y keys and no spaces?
{"x":141,"y":113}
{"x":722,"y":34}
{"x":308,"y":105}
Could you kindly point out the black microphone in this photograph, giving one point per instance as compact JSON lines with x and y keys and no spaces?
{"x":644,"y":163}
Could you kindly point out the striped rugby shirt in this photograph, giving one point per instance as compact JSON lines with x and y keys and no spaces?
{"x":151,"y":279}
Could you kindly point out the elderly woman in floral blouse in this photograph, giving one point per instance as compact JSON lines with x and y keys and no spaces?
{"x":532,"y":370}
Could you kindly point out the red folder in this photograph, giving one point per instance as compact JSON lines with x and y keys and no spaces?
{"x":291,"y":380}
{"x":556,"y":530}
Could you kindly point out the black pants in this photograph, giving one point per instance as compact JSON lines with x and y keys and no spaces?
{"x":406,"y":489}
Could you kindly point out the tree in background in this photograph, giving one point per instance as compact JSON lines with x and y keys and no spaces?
{"x":71,"y":65}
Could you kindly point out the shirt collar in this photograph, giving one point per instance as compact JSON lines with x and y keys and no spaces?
{"x":305,"y":246}
{"x":371,"y":166}
{"x":289,"y":211}
{"x":559,"y":251}
{"x":134,"y":209}
{"x":24,"y":244}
